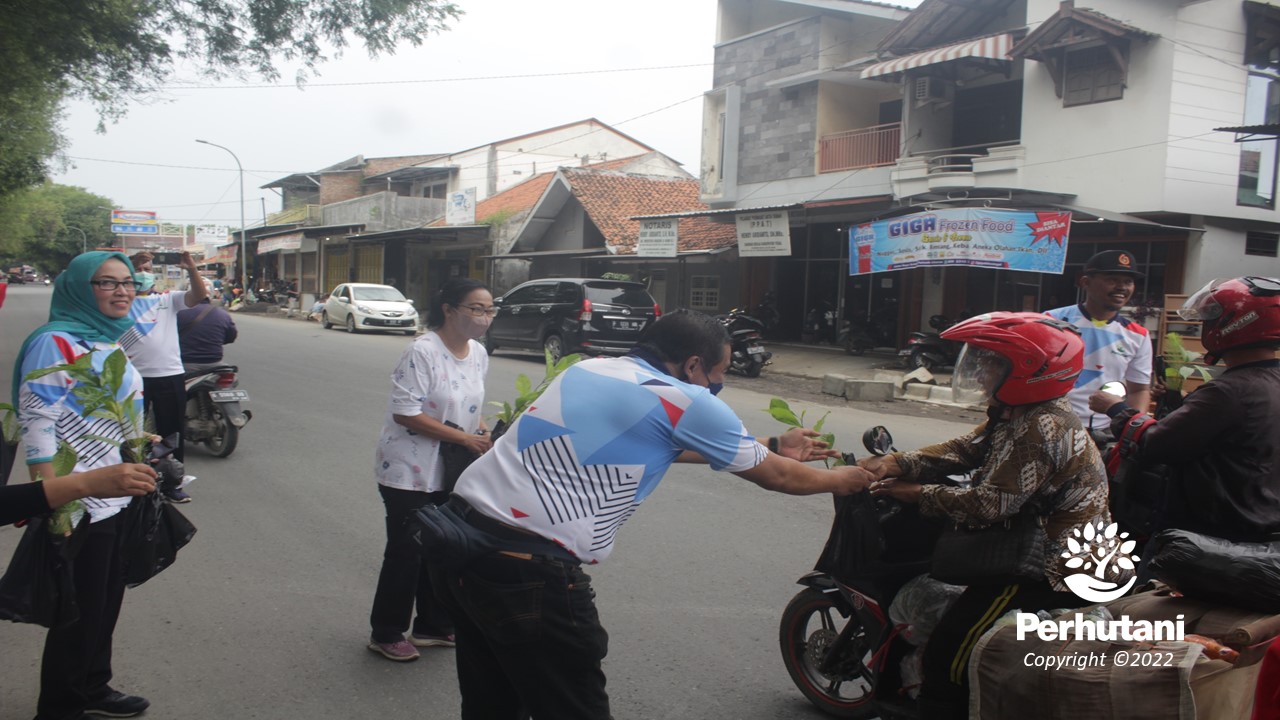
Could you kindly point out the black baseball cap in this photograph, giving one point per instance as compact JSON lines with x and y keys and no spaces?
{"x":1113,"y":261}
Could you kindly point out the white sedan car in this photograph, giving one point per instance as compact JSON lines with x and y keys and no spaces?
{"x":365,"y":306}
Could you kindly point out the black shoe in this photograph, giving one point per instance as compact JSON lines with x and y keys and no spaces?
{"x":177,"y":496}
{"x":118,"y":705}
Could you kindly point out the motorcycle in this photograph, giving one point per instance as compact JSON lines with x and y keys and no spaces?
{"x":820,"y":324}
{"x":767,"y":312}
{"x":213,"y":414}
{"x":838,"y":643}
{"x":748,"y":356}
{"x":928,"y":350}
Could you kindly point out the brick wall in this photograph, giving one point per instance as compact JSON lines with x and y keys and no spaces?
{"x":778,"y":125}
{"x":339,"y":186}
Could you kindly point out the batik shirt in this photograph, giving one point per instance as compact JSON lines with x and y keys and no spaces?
{"x":429,"y":380}
{"x":152,"y":342}
{"x":1044,"y":457}
{"x":578,"y":463}
{"x":1117,"y":350}
{"x":49,"y":411}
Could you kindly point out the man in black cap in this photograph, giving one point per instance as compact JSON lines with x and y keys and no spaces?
{"x":1116,"y":348}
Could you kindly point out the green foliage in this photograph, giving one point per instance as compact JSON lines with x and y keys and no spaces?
{"x":1178,"y":362}
{"x":526,"y":393}
{"x":42,"y":225}
{"x":9,"y":430}
{"x":781,"y":411}
{"x":112,"y":53}
{"x":498,"y":218}
{"x":97,"y":392}
{"x":615,"y":276}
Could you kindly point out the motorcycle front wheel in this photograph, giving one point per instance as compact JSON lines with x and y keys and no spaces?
{"x":809,"y":628}
{"x":224,"y":438}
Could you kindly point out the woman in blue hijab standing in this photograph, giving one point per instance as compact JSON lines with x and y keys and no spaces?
{"x":88,"y":313}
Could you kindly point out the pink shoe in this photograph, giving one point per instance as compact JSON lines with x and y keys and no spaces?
{"x":400,"y":650}
{"x":447,"y":641}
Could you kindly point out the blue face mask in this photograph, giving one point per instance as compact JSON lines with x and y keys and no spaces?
{"x":715,"y":388}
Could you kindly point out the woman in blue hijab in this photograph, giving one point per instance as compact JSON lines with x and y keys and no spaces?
{"x":88,"y":313}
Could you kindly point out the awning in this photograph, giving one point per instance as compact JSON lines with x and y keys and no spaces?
{"x":995,"y":47}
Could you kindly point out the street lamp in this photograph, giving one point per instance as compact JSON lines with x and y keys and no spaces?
{"x":84,"y":240}
{"x":244,"y":256}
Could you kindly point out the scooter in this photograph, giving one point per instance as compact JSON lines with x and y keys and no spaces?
{"x":213,"y":415}
{"x":748,"y":356}
{"x":928,"y":350}
{"x":839,"y":646}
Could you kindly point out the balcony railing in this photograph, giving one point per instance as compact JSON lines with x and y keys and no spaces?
{"x":862,"y":148}
{"x":302,"y":214}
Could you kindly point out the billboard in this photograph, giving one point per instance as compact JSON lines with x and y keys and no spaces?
{"x":974,"y":237}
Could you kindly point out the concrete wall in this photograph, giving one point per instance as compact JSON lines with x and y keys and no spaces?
{"x":1218,"y":252}
{"x":384,"y":211}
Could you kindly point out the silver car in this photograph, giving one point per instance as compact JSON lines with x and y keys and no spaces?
{"x":366,"y":306}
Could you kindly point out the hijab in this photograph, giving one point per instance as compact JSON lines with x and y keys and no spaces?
{"x":74,"y":308}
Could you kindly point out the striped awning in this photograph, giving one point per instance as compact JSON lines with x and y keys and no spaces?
{"x":995,"y":47}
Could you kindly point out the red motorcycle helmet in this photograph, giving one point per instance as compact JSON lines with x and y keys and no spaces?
{"x":1237,"y":314}
{"x":1019,"y":358}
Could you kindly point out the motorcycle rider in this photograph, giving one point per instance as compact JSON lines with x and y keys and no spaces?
{"x":1031,"y":451}
{"x":1116,"y":348}
{"x":1222,"y":445}
{"x":202,"y":332}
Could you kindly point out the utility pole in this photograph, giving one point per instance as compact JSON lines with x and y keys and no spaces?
{"x":244,"y":255}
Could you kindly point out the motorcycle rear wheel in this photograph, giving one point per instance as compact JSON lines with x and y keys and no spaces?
{"x":921,"y":359}
{"x":223,"y":441}
{"x":810,"y":624}
{"x":753,"y":368}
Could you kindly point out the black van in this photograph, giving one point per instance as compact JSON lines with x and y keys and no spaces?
{"x":568,"y":315}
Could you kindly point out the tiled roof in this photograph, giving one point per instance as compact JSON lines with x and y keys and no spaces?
{"x":514,"y":199}
{"x":612,"y":199}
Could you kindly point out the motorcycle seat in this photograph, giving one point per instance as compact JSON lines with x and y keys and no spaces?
{"x":198,"y":369}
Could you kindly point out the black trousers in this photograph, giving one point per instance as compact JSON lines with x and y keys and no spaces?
{"x":944,"y":693}
{"x":76,"y":667}
{"x":530,"y":642}
{"x":404,"y":581}
{"x":166,"y":399}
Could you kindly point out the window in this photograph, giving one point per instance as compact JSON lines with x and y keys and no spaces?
{"x":1093,"y":75}
{"x":1262,"y":244}
{"x":1256,"y":182}
{"x":704,"y":292}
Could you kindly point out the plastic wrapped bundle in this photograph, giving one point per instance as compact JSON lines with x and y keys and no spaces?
{"x":1245,"y":575}
{"x":920,"y":605}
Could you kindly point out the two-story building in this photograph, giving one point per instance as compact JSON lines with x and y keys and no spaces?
{"x":848,"y":112}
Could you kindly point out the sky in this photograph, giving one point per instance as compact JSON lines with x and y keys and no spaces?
{"x":506,"y":68}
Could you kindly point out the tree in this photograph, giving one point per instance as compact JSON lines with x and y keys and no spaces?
{"x":115,"y":50}
{"x":36,"y":225}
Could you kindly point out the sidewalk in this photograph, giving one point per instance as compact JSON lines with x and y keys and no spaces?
{"x":876,"y":375}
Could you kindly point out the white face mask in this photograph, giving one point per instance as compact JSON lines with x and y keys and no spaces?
{"x":475,"y":327}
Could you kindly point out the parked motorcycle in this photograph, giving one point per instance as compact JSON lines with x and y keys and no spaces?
{"x":214,"y":416}
{"x":820,"y":323}
{"x":748,"y":356}
{"x":767,"y":312}
{"x":839,"y":646}
{"x":928,"y":350}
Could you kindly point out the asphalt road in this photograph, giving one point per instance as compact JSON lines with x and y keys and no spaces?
{"x":265,"y":614}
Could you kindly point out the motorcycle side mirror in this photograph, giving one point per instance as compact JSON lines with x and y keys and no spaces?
{"x":878,"y":441}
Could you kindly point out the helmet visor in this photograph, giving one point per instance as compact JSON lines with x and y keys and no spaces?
{"x":978,"y":375}
{"x":1202,"y":306}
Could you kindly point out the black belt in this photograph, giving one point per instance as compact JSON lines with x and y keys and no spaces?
{"x":521,"y":541}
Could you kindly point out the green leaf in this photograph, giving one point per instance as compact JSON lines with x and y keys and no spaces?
{"x":113,"y":371}
{"x":64,"y":460}
{"x":523,"y":384}
{"x":781,"y":411}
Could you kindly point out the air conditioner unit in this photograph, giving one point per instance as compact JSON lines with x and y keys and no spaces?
{"x":926,"y":90}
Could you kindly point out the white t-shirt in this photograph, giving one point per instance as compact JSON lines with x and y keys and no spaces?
{"x":429,"y":380}
{"x":579,"y":461}
{"x":152,"y":342}
{"x":1117,"y":350}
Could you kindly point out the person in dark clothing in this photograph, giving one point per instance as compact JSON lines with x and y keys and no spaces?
{"x":202,"y":331}
{"x":1223,"y":444}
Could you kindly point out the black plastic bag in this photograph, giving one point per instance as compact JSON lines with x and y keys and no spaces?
{"x":1245,"y":575}
{"x":152,"y":533}
{"x":38,"y":586}
{"x":455,"y":458}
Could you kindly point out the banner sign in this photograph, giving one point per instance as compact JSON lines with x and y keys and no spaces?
{"x":1025,"y":241}
{"x":292,"y":241}
{"x":658,"y":238}
{"x":764,"y":234}
{"x":461,"y":209}
{"x":134,"y":217}
{"x":135,"y":229}
{"x":212,"y":234}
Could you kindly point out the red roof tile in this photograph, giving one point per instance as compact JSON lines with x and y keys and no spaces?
{"x":612,"y":199}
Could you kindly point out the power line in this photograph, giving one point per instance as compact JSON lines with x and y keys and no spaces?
{"x":421,"y":81}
